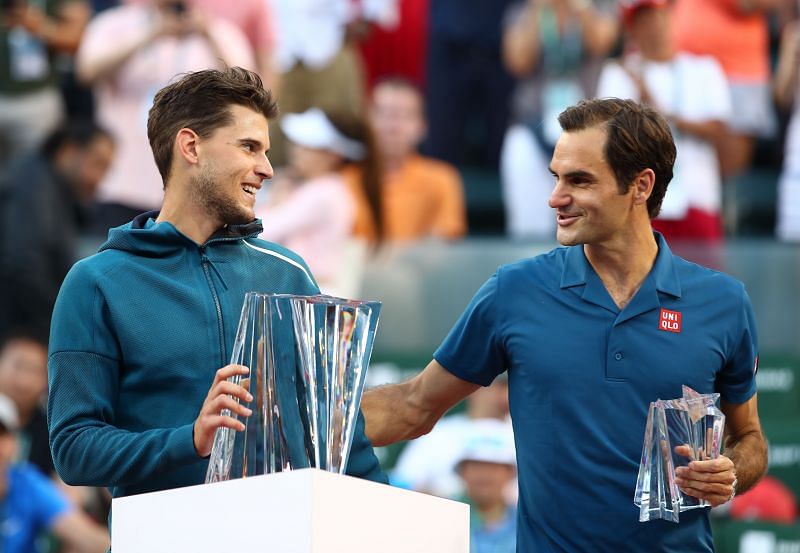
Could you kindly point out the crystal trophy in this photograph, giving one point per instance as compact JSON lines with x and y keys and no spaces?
{"x":693,"y":421}
{"x":308,"y":357}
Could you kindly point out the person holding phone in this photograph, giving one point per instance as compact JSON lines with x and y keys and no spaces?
{"x":128,"y":54}
{"x":31,"y":106}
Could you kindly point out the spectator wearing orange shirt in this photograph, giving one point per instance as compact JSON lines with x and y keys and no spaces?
{"x":421,"y":197}
{"x":735,"y":33}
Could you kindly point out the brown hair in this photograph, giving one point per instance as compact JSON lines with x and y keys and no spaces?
{"x":200,"y":101}
{"x":637,"y":138}
{"x":356,"y":128}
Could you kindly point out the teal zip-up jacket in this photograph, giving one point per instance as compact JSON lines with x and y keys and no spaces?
{"x":138,"y":332}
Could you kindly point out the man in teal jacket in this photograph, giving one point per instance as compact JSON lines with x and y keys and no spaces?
{"x":141,"y":329}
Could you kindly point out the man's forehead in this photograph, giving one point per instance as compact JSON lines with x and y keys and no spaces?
{"x":244,"y":118}
{"x":586,"y":146}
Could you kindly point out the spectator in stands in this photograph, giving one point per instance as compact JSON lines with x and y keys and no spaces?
{"x":487,"y":465}
{"x":770,"y":500}
{"x":692,"y":93}
{"x":23,"y":379}
{"x":428,"y":464}
{"x":42,"y":214}
{"x":787,"y":88}
{"x":128,"y":53}
{"x":735,"y":32}
{"x":421,"y":197}
{"x":32,"y":33}
{"x":311,"y":208}
{"x":254,"y":18}
{"x":33,"y":504}
{"x":555,"y":48}
{"x":467,"y":88}
{"x":401,"y":49}
{"x":317,"y":59}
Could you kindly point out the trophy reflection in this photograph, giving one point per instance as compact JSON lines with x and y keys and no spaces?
{"x":308,"y":357}
{"x":693,"y":420}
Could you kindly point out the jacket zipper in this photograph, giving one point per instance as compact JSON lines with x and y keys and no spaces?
{"x":205,"y":262}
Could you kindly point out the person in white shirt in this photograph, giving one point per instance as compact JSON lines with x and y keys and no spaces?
{"x":692,"y":93}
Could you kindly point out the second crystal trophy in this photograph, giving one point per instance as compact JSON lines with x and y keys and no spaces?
{"x":693,"y":421}
{"x":308,"y":357}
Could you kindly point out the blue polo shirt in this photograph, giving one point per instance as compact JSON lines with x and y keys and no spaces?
{"x":32,"y":505}
{"x":581,"y":376}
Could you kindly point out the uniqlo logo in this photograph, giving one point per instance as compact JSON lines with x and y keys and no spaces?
{"x":670,"y":321}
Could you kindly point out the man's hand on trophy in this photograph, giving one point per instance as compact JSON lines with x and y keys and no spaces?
{"x":223,"y":395}
{"x":710,"y":479}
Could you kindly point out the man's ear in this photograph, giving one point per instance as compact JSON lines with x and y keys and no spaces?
{"x":643,"y":186}
{"x":186,"y":145}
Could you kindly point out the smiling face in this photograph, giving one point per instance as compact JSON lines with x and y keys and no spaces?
{"x":589,"y":206}
{"x":232,"y":162}
{"x":23,"y":372}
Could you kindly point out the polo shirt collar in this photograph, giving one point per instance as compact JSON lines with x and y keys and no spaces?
{"x":663,"y":277}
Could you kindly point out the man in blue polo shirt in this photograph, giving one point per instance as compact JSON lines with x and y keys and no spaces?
{"x":590,"y":334}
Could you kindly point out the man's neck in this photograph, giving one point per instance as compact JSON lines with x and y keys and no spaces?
{"x":188,"y":218}
{"x":624,"y":263}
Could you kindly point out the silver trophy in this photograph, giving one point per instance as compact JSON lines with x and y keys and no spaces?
{"x":308,"y":358}
{"x":694,"y":421}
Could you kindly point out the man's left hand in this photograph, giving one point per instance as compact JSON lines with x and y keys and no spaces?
{"x":711,"y":480}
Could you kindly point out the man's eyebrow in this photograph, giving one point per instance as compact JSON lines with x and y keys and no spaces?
{"x":254,"y":141}
{"x":576,"y":174}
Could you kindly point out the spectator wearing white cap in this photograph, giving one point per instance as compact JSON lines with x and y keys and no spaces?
{"x":33,"y":504}
{"x":311,"y":209}
{"x":487,"y":464}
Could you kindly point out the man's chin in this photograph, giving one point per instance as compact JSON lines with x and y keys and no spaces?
{"x":567,"y":238}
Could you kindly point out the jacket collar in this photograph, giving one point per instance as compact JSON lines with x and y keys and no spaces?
{"x":142,"y":235}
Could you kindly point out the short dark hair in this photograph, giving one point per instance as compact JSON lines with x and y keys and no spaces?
{"x":201,"y":101}
{"x":80,"y":132}
{"x":637,"y":138}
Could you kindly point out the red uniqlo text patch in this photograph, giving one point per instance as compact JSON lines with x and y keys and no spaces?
{"x":670,"y":321}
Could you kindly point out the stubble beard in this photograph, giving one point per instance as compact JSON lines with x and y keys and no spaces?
{"x":209,"y":193}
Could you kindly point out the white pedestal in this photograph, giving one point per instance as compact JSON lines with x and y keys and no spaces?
{"x":300,"y":511}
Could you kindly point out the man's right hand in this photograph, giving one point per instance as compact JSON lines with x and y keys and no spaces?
{"x":221,"y":396}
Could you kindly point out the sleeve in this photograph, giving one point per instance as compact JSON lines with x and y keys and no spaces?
{"x":106,"y":34}
{"x":451,"y":218}
{"x":736,"y":382}
{"x":50,"y":503}
{"x":473,"y":350}
{"x":232,"y":44}
{"x":84,"y":371}
{"x":362,"y":462}
{"x":263,"y":33}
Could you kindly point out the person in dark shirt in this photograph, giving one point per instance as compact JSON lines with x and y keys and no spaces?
{"x":42,"y":200}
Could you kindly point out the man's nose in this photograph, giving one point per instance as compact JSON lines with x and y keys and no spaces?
{"x":264,"y":169}
{"x":559,"y":197}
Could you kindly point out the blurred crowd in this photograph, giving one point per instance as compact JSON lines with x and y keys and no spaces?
{"x":384,"y":106}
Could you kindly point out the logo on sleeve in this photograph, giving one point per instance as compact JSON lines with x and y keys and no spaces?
{"x":670,"y":320}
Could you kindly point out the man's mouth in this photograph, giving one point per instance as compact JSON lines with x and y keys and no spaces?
{"x":566,"y":219}
{"x":250,"y":189}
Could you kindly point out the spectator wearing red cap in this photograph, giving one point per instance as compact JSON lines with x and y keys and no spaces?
{"x":769,"y":500}
{"x":692,"y":92}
